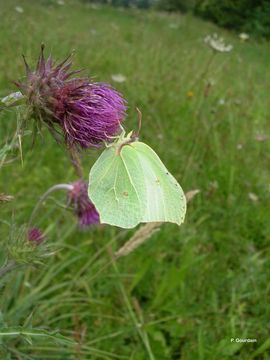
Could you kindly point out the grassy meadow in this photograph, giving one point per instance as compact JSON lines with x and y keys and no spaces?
{"x":188,"y":290}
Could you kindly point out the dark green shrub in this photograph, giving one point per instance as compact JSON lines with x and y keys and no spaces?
{"x":241,"y":15}
{"x":259,"y":22}
{"x":142,"y":4}
{"x":174,"y":5}
{"x":228,"y":13}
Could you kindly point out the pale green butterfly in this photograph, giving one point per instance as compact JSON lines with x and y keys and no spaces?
{"x":129,"y":184}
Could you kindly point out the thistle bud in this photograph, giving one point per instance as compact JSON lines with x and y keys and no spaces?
{"x":84,"y":209}
{"x":35,"y":236}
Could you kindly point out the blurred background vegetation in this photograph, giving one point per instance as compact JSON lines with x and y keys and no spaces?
{"x":188,"y":290}
{"x":239,"y":15}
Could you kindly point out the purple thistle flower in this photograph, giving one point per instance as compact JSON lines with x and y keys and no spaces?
{"x":35,"y":236}
{"x":88,"y":113}
{"x":83,"y":207}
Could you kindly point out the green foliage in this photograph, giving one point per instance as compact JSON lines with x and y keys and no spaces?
{"x":175,"y":5}
{"x":241,"y":15}
{"x":259,"y":21}
{"x":188,"y":290}
{"x":227,"y":13}
{"x":27,"y":335}
{"x":141,"y":4}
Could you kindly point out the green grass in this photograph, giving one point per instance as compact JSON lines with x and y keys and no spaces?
{"x":189,"y":290}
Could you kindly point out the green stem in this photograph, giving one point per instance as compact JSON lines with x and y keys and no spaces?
{"x":44,"y":197}
{"x":205,"y":70}
{"x":138,"y":326}
{"x":8,"y":267}
{"x":208,"y":64}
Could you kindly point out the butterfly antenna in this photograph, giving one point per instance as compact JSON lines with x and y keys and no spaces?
{"x":122,"y":129}
{"x":139,"y":122}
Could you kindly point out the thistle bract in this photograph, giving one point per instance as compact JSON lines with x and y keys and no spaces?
{"x":86,"y":113}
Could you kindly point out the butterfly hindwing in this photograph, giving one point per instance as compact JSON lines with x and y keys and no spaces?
{"x":163,"y":199}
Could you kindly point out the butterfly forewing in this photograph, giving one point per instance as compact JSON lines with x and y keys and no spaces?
{"x":112,"y":191}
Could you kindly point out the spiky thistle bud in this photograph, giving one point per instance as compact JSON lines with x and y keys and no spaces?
{"x":83,"y":207}
{"x":87,"y":113}
{"x":35,"y":236}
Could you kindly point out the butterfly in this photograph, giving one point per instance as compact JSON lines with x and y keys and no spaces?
{"x":129,"y":184}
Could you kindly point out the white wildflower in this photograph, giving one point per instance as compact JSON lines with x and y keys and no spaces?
{"x":253,"y":197}
{"x":19,"y":9}
{"x":244,"y":37}
{"x":221,"y":102}
{"x":120,"y":78}
{"x":217,"y":43}
{"x":173,"y":26}
{"x":93,"y":31}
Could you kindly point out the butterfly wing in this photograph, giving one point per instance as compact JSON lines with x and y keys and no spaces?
{"x":113,"y":191}
{"x":161,"y":196}
{"x":134,"y":186}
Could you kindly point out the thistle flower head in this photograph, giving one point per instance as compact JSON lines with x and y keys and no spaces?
{"x":41,"y":83}
{"x":83,"y":207}
{"x":35,"y":236}
{"x":87,"y":113}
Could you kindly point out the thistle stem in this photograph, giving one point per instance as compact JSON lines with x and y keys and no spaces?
{"x":8,"y":267}
{"x":76,"y":162}
{"x":44,"y":197}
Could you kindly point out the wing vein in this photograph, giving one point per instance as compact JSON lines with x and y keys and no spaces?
{"x":130,"y":179}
